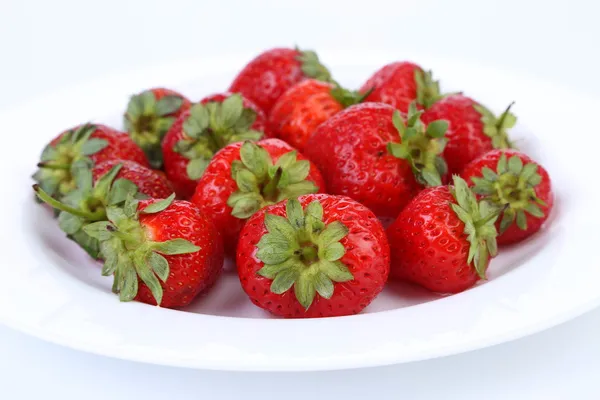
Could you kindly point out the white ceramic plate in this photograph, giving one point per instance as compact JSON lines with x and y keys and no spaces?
{"x":50,"y":289}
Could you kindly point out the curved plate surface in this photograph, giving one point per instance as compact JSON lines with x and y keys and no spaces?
{"x":53,"y":291}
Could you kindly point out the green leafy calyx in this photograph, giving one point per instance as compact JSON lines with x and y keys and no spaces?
{"x":212,"y":126}
{"x":511,"y":187}
{"x":300,"y":251}
{"x":497,"y":127}
{"x":428,"y":89}
{"x":311,"y":66}
{"x":88,"y":202}
{"x":57,"y":164}
{"x":147,"y":120}
{"x":129,"y":254}
{"x":421,"y":146}
{"x":479,"y":219}
{"x":261,"y":182}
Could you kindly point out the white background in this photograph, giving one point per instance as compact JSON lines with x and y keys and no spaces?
{"x":48,"y":45}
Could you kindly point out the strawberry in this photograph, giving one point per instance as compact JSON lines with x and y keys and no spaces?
{"x":107,"y":184}
{"x":332,"y":250}
{"x":472,"y":129}
{"x":149,"y":116}
{"x":92,"y":143}
{"x":199,"y":133}
{"x":399,"y":84}
{"x":260,"y":121}
{"x":369,"y":153}
{"x":270,"y":74}
{"x":443,"y":239}
{"x":161,"y":252}
{"x":243,"y":178}
{"x":303,"y":107}
{"x":511,"y":180}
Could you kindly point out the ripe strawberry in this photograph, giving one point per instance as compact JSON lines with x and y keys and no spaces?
{"x":303,"y":107}
{"x":330,"y":249}
{"x":149,"y":116}
{"x":199,"y":133}
{"x":443,"y":239}
{"x":400,"y":83}
{"x":369,"y":153}
{"x":107,"y":184}
{"x":271,"y":73}
{"x":243,"y":178}
{"x":511,"y":180}
{"x":90,"y":142}
{"x":161,"y":252}
{"x":260,"y":121}
{"x":472,"y":129}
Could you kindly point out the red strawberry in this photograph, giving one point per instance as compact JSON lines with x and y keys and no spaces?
{"x":511,"y":180}
{"x":149,"y":116}
{"x":269,"y":75}
{"x":368,"y":152}
{"x":472,"y":129}
{"x":330,"y":249}
{"x":243,"y":178}
{"x":298,"y":112}
{"x":199,"y":133}
{"x":91,"y":142}
{"x":109,"y":183}
{"x":161,"y":252}
{"x":260,"y":121}
{"x":443,"y":239}
{"x":400,"y":83}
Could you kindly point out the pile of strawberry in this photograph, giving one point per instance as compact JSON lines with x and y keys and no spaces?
{"x":295,"y":177}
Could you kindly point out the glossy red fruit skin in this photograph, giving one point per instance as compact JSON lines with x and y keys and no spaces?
{"x":216,"y":185}
{"x":543,"y":191}
{"x":190,"y":274}
{"x":303,"y":107}
{"x":393,"y":84}
{"x":428,"y":246}
{"x":260,"y":123}
{"x":350,"y":150}
{"x":268,"y":76}
{"x":120,"y":146}
{"x":367,"y":257}
{"x":175,"y":164}
{"x":466,"y":140}
{"x":148,"y":181}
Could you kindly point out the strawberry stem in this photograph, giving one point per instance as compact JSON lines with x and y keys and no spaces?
{"x":270,"y":190}
{"x":46,"y":198}
{"x":46,"y":165}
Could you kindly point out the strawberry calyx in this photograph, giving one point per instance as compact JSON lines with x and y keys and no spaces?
{"x":421,"y":146}
{"x":88,"y":202}
{"x":129,"y":252}
{"x":262,"y":182}
{"x":311,"y":66}
{"x":300,"y":251}
{"x":479,"y":219}
{"x":348,"y":97}
{"x":428,"y":89}
{"x":147,"y":120}
{"x":497,"y":128}
{"x":56,"y":167}
{"x":512,"y":187}
{"x":212,"y":126}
